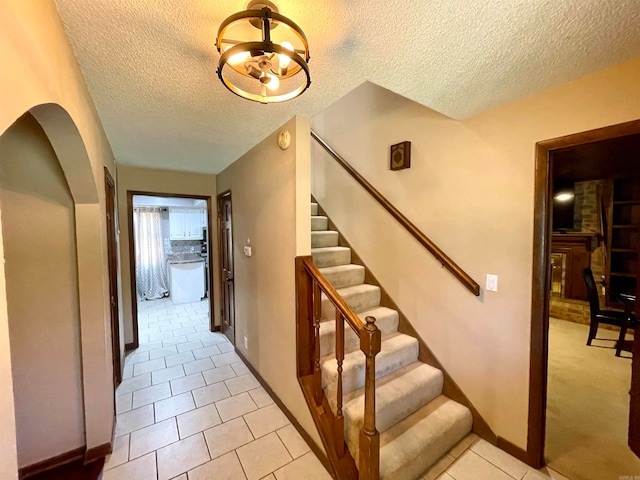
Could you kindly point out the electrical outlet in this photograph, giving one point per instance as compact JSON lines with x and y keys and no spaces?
{"x":492,"y":283}
{"x":247,"y":251}
{"x":246,"y":343}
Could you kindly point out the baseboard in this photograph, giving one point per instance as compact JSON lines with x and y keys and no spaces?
{"x":75,"y":455}
{"x":517,"y":452}
{"x":96,"y":453}
{"x":307,"y":438}
{"x":217,"y":328}
{"x":130,"y":346}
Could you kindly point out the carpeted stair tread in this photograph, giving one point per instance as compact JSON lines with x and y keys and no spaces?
{"x":358,"y":297}
{"x":319,"y":222}
{"x":412,"y":446}
{"x":324,"y":238}
{"x":331,"y":256}
{"x":398,"y":350}
{"x":342,"y":276}
{"x":418,"y":424}
{"x":386,"y":321}
{"x":398,"y":395}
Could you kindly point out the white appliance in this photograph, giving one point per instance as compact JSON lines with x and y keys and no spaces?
{"x":186,"y":282}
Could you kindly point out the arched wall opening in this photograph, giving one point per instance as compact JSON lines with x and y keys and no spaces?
{"x":38,"y":232}
{"x":88,"y":356}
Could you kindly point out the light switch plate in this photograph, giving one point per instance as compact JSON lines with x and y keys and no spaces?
{"x":247,"y":251}
{"x":492,"y":283}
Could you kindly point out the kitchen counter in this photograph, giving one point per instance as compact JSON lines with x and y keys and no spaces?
{"x":184,"y":258}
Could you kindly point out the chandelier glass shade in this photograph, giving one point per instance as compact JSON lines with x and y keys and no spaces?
{"x":263,"y":55}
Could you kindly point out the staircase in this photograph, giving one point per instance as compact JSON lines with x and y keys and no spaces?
{"x":417,"y":423}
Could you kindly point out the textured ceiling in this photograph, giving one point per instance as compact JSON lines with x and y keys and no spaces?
{"x":150,"y":65}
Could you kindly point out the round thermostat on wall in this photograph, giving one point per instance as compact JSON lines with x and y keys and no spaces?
{"x":284,"y":139}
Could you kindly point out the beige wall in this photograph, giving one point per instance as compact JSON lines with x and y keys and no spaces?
{"x":40,"y":74}
{"x":160,"y":181}
{"x":38,"y":231}
{"x":470,"y":189}
{"x":271,"y":193}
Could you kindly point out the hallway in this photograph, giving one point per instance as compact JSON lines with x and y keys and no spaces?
{"x":187,"y":403}
{"x":189,"y":409}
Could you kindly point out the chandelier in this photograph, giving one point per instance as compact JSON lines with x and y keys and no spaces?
{"x":263,"y":55}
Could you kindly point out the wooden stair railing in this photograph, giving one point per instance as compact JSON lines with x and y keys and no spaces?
{"x":310,"y":285}
{"x":442,"y":257}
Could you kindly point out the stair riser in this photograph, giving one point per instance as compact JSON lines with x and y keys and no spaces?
{"x":346,"y":278}
{"x":319,"y":223}
{"x":331,"y":258}
{"x":387,"y":324}
{"x":358,"y":302}
{"x":324,"y":239}
{"x":425,"y":445}
{"x":353,"y":371}
{"x":314,"y":209}
{"x":393,"y":406}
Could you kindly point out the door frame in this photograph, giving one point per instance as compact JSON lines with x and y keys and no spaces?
{"x":538,"y":368}
{"x":112,"y":260}
{"x":224,"y":195}
{"x":132,"y":257}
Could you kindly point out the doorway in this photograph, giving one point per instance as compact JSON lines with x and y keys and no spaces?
{"x":559,"y":258}
{"x":171,"y":274}
{"x":112,"y":249}
{"x":225,"y":232}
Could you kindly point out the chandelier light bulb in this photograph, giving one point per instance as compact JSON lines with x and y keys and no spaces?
{"x":285,"y":60}
{"x":274,"y":69}
{"x":272,"y":83}
{"x":239,"y":58}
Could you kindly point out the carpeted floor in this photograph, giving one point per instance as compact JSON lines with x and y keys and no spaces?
{"x":588,"y":405}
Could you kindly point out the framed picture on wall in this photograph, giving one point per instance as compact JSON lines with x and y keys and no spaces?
{"x":400,"y":157}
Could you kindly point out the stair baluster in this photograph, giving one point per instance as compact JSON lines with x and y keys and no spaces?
{"x":317,"y":313}
{"x":339,"y":424}
{"x":370,"y":344}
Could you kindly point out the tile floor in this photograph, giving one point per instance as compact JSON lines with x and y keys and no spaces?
{"x":188,"y":408}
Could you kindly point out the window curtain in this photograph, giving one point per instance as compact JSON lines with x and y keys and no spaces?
{"x":151,"y":266}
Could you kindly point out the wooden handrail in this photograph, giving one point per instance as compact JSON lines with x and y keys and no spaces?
{"x":442,"y":257}
{"x":334,"y":297}
{"x":310,"y":283}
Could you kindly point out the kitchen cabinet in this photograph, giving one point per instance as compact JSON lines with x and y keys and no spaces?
{"x":187,"y":223}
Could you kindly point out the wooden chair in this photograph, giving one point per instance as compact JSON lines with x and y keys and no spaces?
{"x":598,"y":315}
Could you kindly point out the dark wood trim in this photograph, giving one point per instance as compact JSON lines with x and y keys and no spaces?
{"x":426,"y":355}
{"x":343,"y":468}
{"x":111,"y":195}
{"x":128,"y":347}
{"x":54,"y":462}
{"x":305,"y":339}
{"x":294,"y":421}
{"x":132,"y":256}
{"x":96,"y":453}
{"x":446,"y":262}
{"x":219,"y":198}
{"x":210,"y":275}
{"x":541,"y":277}
{"x":513,"y":450}
{"x":132,"y":273}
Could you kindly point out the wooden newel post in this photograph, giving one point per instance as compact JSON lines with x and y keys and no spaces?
{"x":369,"y":452}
